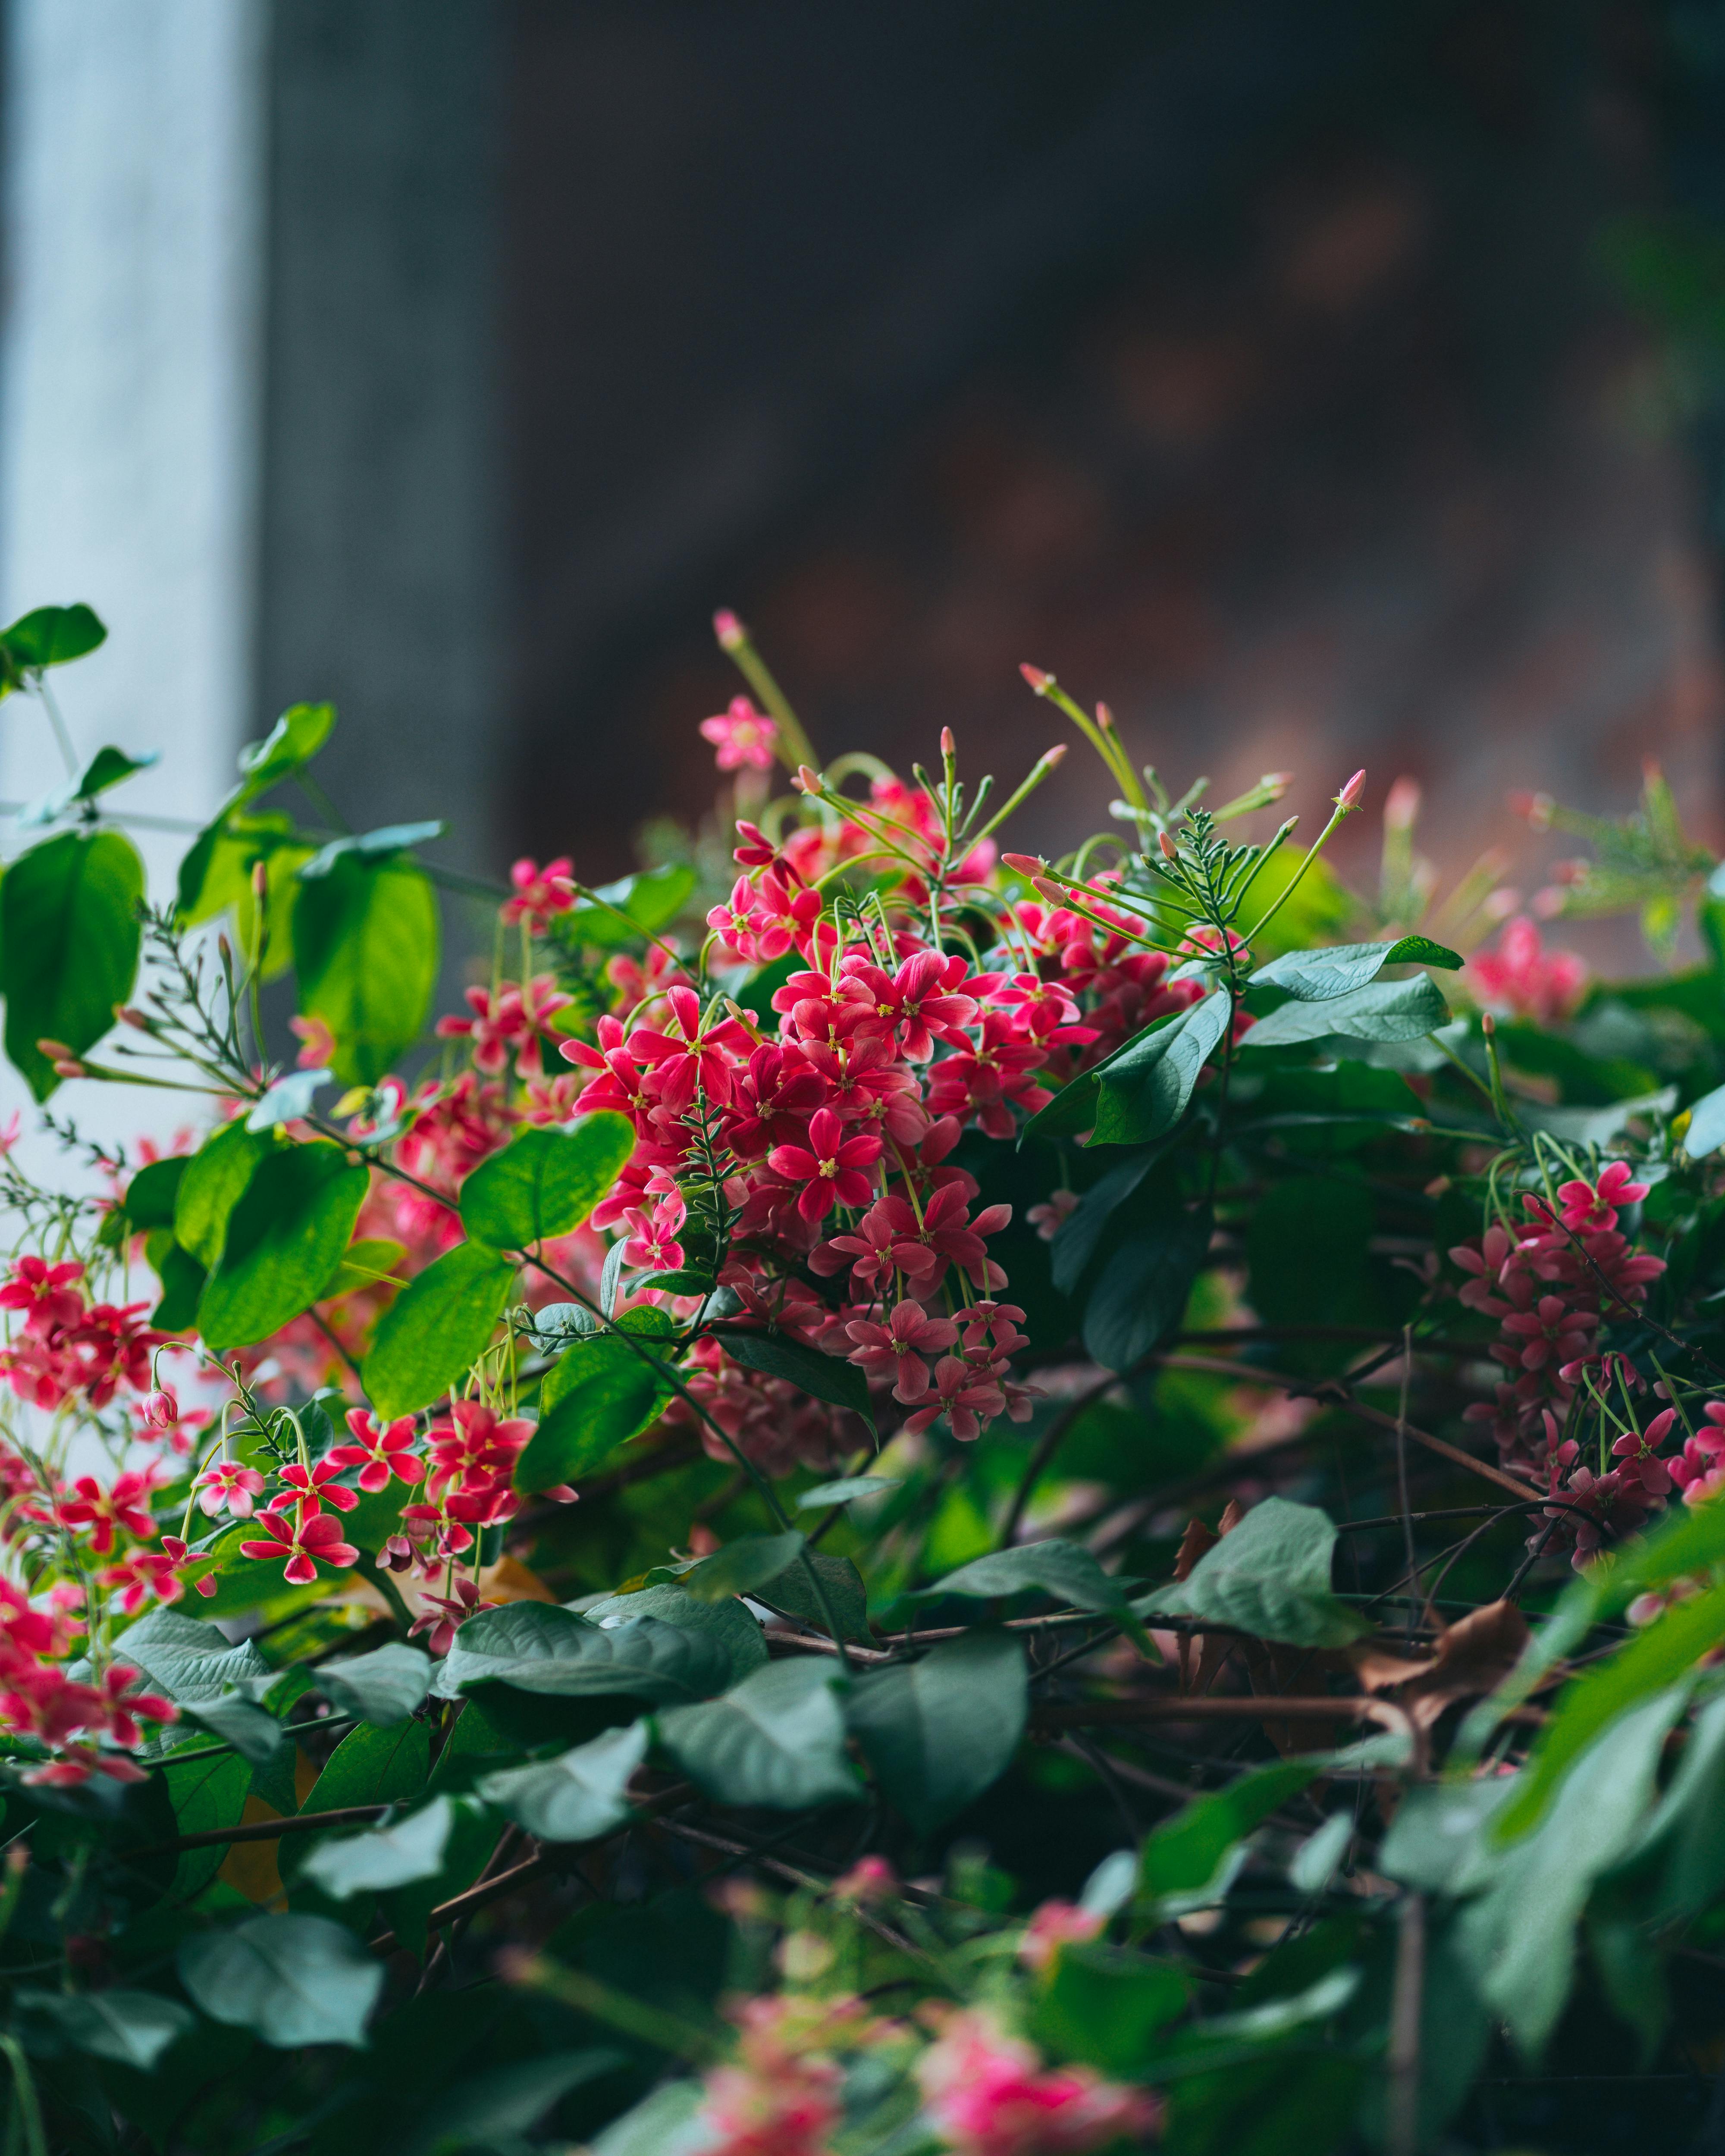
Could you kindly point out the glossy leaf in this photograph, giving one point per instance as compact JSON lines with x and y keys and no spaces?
{"x":373,"y":1767}
{"x":383,"y":1688}
{"x":1141,"y":1293}
{"x":107,"y":768}
{"x":69,"y":945}
{"x":579,"y":1796}
{"x":437,"y":1329}
{"x":725,"y":1621}
{"x":1188,"y":1861}
{"x":1320,"y":976}
{"x":1270,"y":1579}
{"x":1060,"y":1569}
{"x":776,"y":1739}
{"x":283,"y":1237}
{"x":824,"y":1377}
{"x":366,"y":944}
{"x":364,"y":1264}
{"x":1143,"y":1093}
{"x":939,"y":1732}
{"x":1106,"y":2007}
{"x":1080,"y":1234}
{"x":598,"y":1395}
{"x":1386,"y":1010}
{"x":212,"y":1184}
{"x":47,"y":636}
{"x":291,"y":1980}
{"x":191,"y":1661}
{"x":840,"y":1591}
{"x":537,"y":1647}
{"x":743,"y":1565}
{"x":392,"y":1854}
{"x":546,"y":1182}
{"x":846,"y":1489}
{"x":368,"y":846}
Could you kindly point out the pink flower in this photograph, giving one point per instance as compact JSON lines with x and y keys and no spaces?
{"x":829,"y":1168}
{"x":969,"y":1399}
{"x":310,"y":1488}
{"x":1523,"y":978}
{"x":1056,"y":1924}
{"x":306,"y":1542}
{"x":46,"y":1293}
{"x":653,"y":1236}
{"x":1595,"y":1206}
{"x":540,"y":893}
{"x":743,"y":736}
{"x":896,"y":1349}
{"x":229,"y":1486}
{"x":125,"y":1505}
{"x":1048,"y":1218}
{"x":452,"y":1613}
{"x":988,"y":2094}
{"x":317,"y":1050}
{"x":379,"y":1451}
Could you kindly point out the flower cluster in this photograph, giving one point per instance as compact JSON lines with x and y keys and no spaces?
{"x":1551,"y":1280}
{"x":68,"y":1347}
{"x":88,"y":1724}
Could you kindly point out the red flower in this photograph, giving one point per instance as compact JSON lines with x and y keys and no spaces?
{"x":743,"y":736}
{"x":919,"y":1001}
{"x":379,"y":1451}
{"x":126,"y":1504}
{"x":306,"y":1542}
{"x":897,"y":1348}
{"x":829,"y":1168}
{"x":309,"y":1488}
{"x":540,"y":892}
{"x":45,"y":1293}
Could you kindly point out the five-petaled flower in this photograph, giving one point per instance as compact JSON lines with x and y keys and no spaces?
{"x":379,"y":1449}
{"x":830,"y":1167}
{"x":742,"y":736}
{"x":306,"y":1540}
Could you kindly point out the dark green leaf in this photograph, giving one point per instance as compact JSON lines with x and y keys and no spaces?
{"x":1106,"y":2007}
{"x":373,"y":1767}
{"x":826,"y":1377}
{"x":49,"y":636}
{"x":69,"y":945}
{"x":383,"y":1688}
{"x":436,"y":1328}
{"x":546,"y":1181}
{"x":646,"y":902}
{"x":1270,"y":1579}
{"x":1143,"y":1092}
{"x":776,"y":1739}
{"x":1059,"y":1568}
{"x":1386,"y":1010}
{"x":212,"y":1184}
{"x":537,"y":1647}
{"x":578,"y":1797}
{"x":1320,"y":976}
{"x":206,"y":1793}
{"x":1188,"y":1861}
{"x":285,"y":1237}
{"x":727,"y":1622}
{"x":150,"y":1196}
{"x":939,"y":1732}
{"x":290,"y":745}
{"x":846,"y":1489}
{"x":394,"y":1855}
{"x":1080,"y":1234}
{"x":494,"y":2109}
{"x":192,"y":1662}
{"x":366,"y":952}
{"x":132,"y":2028}
{"x":291,"y":1980}
{"x":742,"y":1566}
{"x":598,"y":1395}
{"x":254,"y":1734}
{"x":1143,"y":1290}
{"x":183,"y":1283}
{"x":793,"y":1591}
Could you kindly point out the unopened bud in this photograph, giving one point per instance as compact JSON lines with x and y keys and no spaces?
{"x":56,"y":1051}
{"x":1105,"y":718}
{"x":1049,"y":891}
{"x":225,"y":947}
{"x":1051,"y":756}
{"x":70,"y":1068}
{"x":260,"y":881}
{"x":1275,"y":784}
{"x":1023,"y":865}
{"x":729,"y":630}
{"x":1488,"y":1025}
{"x":948,"y":745}
{"x":1401,"y":804}
{"x":128,"y":1016}
{"x":1039,"y":681}
{"x":1170,"y":851}
{"x":1348,"y":798}
{"x":807,"y":781}
{"x":161,"y":1409}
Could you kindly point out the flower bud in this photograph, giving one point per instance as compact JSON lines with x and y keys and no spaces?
{"x":1051,"y":756}
{"x":1536,"y":808}
{"x":1401,"y":804}
{"x":161,"y":1408}
{"x":70,"y":1068}
{"x":1049,"y":891}
{"x":807,"y":781}
{"x":948,"y":745}
{"x":1349,"y":797}
{"x":1023,"y":865}
{"x":1170,"y":851}
{"x":56,"y":1051}
{"x":729,"y":630}
{"x":1039,"y":681}
{"x":260,"y":880}
{"x":128,"y":1016}
{"x":1105,"y":718}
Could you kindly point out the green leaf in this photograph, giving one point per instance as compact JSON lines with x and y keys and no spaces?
{"x":826,"y":1377}
{"x":1188,"y":1862}
{"x":647,"y":901}
{"x":1519,"y":1935}
{"x":473,"y":1838}
{"x":368,"y":846}
{"x":939,"y":1732}
{"x":546,"y":1181}
{"x":150,"y":1195}
{"x":1106,"y":2007}
{"x":1320,"y":976}
{"x":382,"y":1856}
{"x":364,"y":1262}
{"x":254,"y":1734}
{"x":846,"y":1489}
{"x":538,"y":1647}
{"x":206,"y":1793}
{"x":290,"y":745}
{"x":598,"y":1395}
{"x":183,"y":1283}
{"x":1269,"y":1578}
{"x":1386,"y":1010}
{"x":107,"y":768}
{"x":48,"y":636}
{"x":1080,"y":1234}
{"x":727,"y":1622}
{"x":494,"y":2109}
{"x":1059,"y":1568}
{"x":436,"y":1329}
{"x":284,"y":1237}
{"x":382,"y":1688}
{"x":1683,"y":1845}
{"x":668,"y":2123}
{"x":1655,"y":1658}
{"x":212,"y":1184}
{"x":291,"y":1980}
{"x":580,"y":1796}
{"x":776,"y":1739}
{"x":1144,"y":1092}
{"x":793,"y":1593}
{"x":366,"y":944}
{"x":69,"y":945}
{"x":192,"y":1662}
{"x":373,"y":1767}
{"x":1142,"y":1292}
{"x":132,"y":2028}
{"x":741,"y":1567}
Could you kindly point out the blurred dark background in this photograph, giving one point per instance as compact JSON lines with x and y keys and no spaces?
{"x":1322,"y":382}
